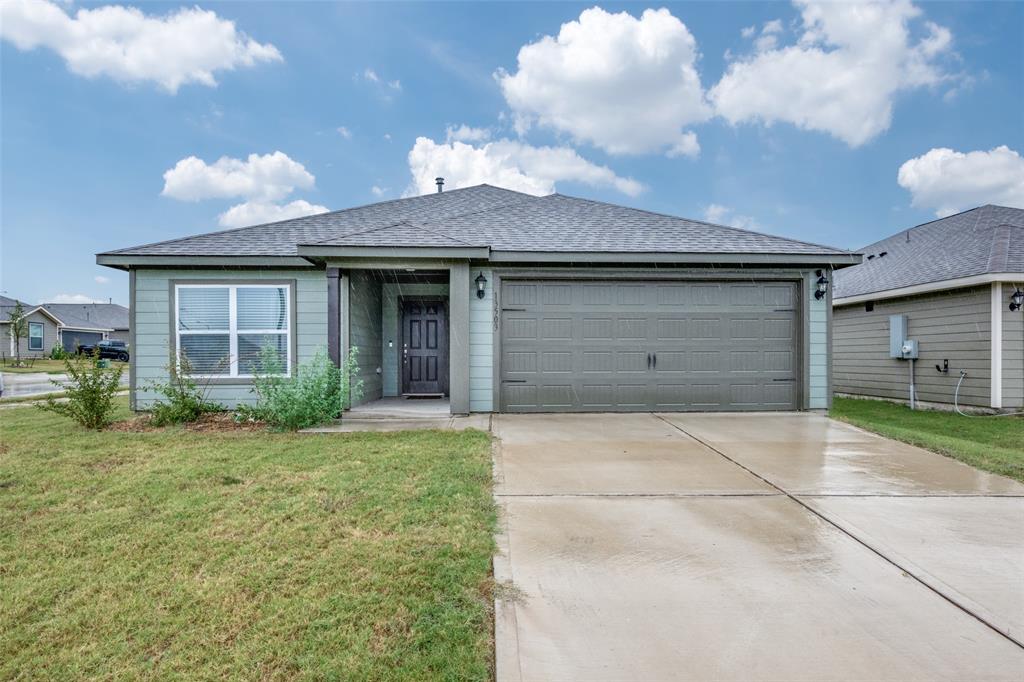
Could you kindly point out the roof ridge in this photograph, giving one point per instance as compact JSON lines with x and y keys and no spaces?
{"x":703,"y":222}
{"x":929,"y":222}
{"x":340,"y":210}
{"x":420,"y":225}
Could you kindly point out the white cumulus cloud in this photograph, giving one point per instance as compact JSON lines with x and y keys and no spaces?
{"x":259,"y":212}
{"x":842,"y":75}
{"x":507,"y":163}
{"x":465,"y":133}
{"x":269,"y":177}
{"x":949,"y":181}
{"x":623,"y":84}
{"x":724,"y":215}
{"x":100,"y":279}
{"x":188,"y":45}
{"x":345,"y":132}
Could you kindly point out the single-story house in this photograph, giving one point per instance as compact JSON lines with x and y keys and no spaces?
{"x":89,"y":323}
{"x":498,"y":300}
{"x":64,"y":324}
{"x":952,"y":282}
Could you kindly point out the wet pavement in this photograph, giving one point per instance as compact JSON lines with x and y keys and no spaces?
{"x":736,"y":547}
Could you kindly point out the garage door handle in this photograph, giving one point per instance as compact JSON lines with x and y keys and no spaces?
{"x":513,"y":381}
{"x":783,"y":379}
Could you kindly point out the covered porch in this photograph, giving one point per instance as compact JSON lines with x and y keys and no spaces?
{"x":410,"y":326}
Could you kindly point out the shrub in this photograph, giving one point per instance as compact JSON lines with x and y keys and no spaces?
{"x":89,"y":391}
{"x":58,"y":352}
{"x":185,"y":401}
{"x":318,"y":392}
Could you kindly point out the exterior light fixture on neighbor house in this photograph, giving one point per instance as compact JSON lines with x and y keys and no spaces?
{"x":481,"y":282}
{"x":822,"y":285}
{"x":1016,"y":300}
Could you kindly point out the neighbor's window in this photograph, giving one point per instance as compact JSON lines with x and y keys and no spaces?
{"x":223,"y":330}
{"x":35,"y":335}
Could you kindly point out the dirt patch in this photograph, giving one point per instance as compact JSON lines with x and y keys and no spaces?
{"x":214,"y":422}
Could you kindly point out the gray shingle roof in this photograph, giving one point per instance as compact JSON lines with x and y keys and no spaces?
{"x":983,"y":240}
{"x":487,"y":216}
{"x":282,"y":238}
{"x":90,"y":315}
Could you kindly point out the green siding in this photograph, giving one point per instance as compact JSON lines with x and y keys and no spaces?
{"x":391,"y":327}
{"x":365,"y":331}
{"x":153,"y":320}
{"x":817,"y":351}
{"x":481,"y":346}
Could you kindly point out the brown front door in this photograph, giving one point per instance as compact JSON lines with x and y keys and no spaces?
{"x":424,"y":347}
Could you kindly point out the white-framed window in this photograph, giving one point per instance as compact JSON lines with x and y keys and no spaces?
{"x":35,"y":335}
{"x":224,"y":329}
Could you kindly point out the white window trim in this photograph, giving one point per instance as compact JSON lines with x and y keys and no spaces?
{"x":41,"y":337}
{"x":232,"y":330}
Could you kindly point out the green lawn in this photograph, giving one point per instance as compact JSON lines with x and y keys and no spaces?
{"x":994,"y":444}
{"x":48,"y":366}
{"x":243,"y":555}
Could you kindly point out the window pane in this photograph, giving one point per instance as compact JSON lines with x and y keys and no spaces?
{"x":262,"y":308}
{"x":35,"y":336}
{"x":207,"y":353}
{"x":203,"y":308}
{"x":251,"y":353}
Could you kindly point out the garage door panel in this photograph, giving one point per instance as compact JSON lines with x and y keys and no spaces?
{"x":589,"y":346}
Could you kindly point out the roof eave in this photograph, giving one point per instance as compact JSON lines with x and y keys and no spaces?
{"x":127,"y":261}
{"x":834,"y":261}
{"x":930,"y":287}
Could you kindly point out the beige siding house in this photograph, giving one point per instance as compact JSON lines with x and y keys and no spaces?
{"x":954,"y":280}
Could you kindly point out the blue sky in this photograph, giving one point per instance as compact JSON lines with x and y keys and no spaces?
{"x":793,"y":119}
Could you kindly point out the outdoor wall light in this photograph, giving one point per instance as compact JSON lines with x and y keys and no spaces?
{"x":481,"y":281}
{"x":822,"y":285}
{"x":1016,"y":300}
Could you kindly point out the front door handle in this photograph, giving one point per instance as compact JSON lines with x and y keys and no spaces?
{"x":648,"y":361}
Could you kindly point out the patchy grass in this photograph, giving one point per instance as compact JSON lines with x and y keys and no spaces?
{"x":994,"y":444}
{"x":243,"y":555}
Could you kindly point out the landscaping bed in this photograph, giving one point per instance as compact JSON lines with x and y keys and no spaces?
{"x":240,"y":553}
{"x":994,"y":444}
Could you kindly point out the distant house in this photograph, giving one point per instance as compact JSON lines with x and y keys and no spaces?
{"x":953,"y":279}
{"x":68,"y":325}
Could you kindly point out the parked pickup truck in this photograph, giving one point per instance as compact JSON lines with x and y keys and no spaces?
{"x":109,"y":348}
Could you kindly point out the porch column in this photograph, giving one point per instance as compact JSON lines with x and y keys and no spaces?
{"x":334,"y":315}
{"x":458,"y":356}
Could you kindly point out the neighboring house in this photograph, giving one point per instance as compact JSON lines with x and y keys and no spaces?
{"x":43,"y":330}
{"x":500,"y":300}
{"x":953,"y":278}
{"x":88,"y":323}
{"x":64,"y":324}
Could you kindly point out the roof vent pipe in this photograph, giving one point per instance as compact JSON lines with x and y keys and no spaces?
{"x":440,"y":184}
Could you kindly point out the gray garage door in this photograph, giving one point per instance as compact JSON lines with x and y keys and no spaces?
{"x":637,"y":346}
{"x":72,"y":339}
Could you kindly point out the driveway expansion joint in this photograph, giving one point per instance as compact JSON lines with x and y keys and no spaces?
{"x":795,"y":498}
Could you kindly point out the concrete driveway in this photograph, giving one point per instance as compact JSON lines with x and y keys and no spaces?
{"x":738,"y":547}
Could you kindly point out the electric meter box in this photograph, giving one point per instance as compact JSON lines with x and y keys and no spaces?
{"x":909,"y":349}
{"x":897,"y":335}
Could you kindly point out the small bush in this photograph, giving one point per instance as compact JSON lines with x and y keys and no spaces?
{"x":184,"y":400}
{"x":89,"y":391}
{"x":318,"y":392}
{"x":58,"y":352}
